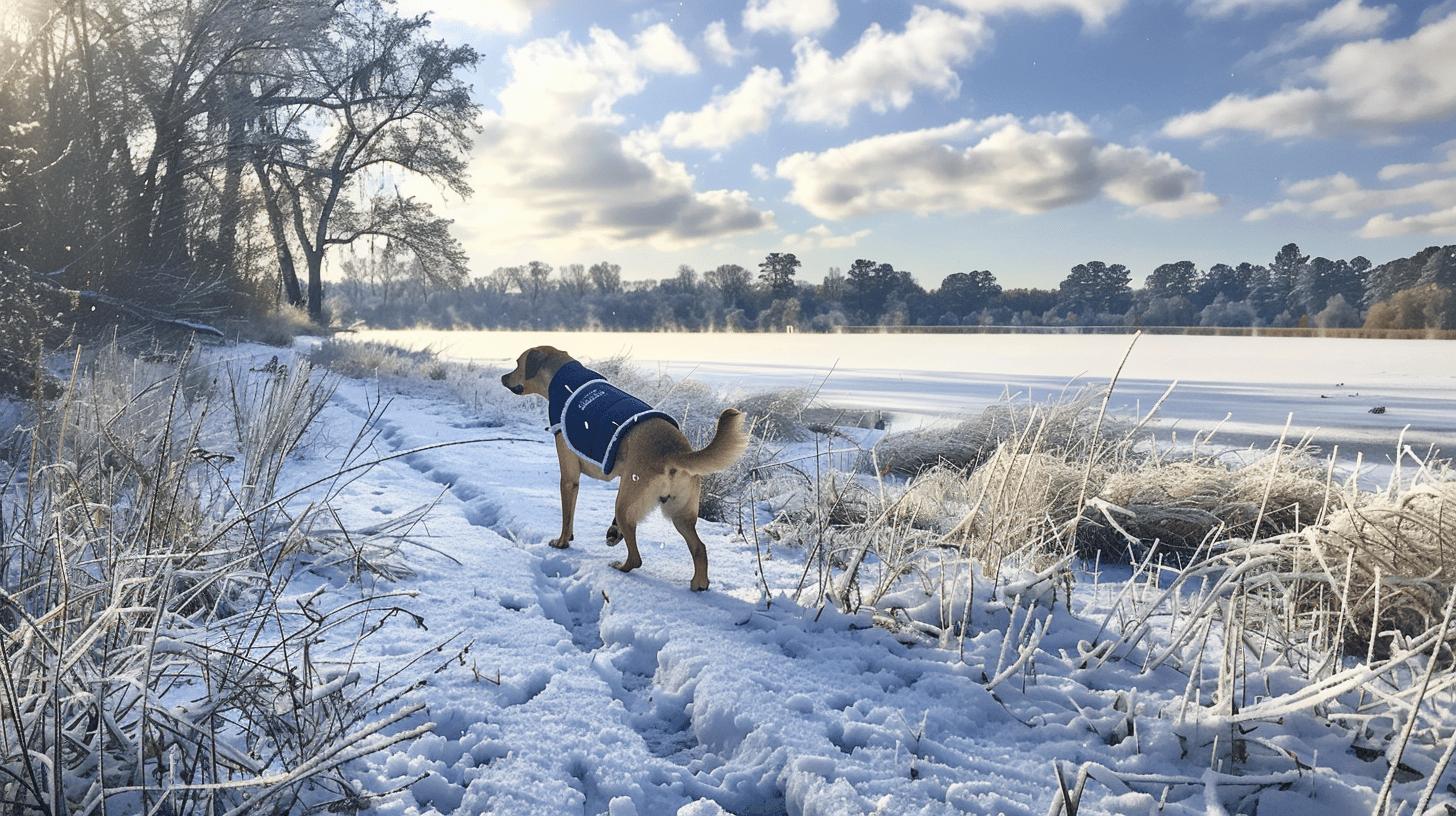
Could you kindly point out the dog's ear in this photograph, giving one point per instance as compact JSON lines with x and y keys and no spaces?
{"x":535,"y":358}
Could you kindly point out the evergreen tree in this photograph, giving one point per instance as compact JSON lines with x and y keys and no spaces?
{"x":777,"y":273}
{"x":964,"y":293}
{"x":1172,"y":280}
{"x":1284,"y":274}
{"x":1221,"y":279}
{"x":1094,"y":290}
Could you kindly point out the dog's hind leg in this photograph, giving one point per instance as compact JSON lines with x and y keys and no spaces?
{"x":634,"y":501}
{"x":687,"y":525}
{"x":680,"y":504}
{"x":570,"y":486}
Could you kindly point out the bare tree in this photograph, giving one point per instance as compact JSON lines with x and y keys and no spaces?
{"x":732,"y":281}
{"x":575,"y":281}
{"x":389,"y":102}
{"x":606,"y":277}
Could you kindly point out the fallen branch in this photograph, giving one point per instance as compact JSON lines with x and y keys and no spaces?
{"x":134,"y":309}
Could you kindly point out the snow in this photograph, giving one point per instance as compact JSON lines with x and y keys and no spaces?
{"x":585,"y":690}
{"x":1247,"y":386}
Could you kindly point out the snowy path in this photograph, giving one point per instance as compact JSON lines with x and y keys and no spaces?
{"x":589,"y":691}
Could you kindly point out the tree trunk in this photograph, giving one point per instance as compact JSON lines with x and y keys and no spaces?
{"x":168,"y":240}
{"x":316,"y":287}
{"x":286,"y":270}
{"x":231,"y":206}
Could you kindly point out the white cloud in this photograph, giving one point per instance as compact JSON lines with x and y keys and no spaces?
{"x":745,"y":110}
{"x":1246,"y":8}
{"x":821,"y":236}
{"x":720,"y":48}
{"x":883,"y":70}
{"x":659,"y":49}
{"x":760,"y":172}
{"x":1094,"y":13}
{"x":1438,"y":222}
{"x":1373,"y":86}
{"x":797,"y":17}
{"x":503,"y":16}
{"x":1425,"y":207}
{"x":582,"y":183}
{"x":992,"y":164}
{"x":1432,"y":13}
{"x":1345,"y":20}
{"x":551,"y":169}
{"x":1445,"y":164}
{"x":557,"y":78}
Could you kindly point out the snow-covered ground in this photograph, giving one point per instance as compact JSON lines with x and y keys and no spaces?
{"x":1250,"y":385}
{"x":588,"y":691}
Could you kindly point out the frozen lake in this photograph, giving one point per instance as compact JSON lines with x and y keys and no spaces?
{"x":1251,"y":384}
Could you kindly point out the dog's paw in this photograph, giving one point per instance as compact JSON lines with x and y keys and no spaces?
{"x":614,"y":536}
{"x":625,"y":566}
{"x":561,"y":544}
{"x":699,"y":587}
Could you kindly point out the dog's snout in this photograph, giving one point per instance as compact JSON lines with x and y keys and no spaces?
{"x":503,"y":380}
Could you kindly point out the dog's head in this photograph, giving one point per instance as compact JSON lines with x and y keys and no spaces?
{"x":534,"y":370}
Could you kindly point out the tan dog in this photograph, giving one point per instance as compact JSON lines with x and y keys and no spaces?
{"x":657,"y":465}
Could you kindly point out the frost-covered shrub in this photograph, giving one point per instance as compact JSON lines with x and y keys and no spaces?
{"x":278,"y":327}
{"x":1338,"y":314}
{"x":365,"y":359}
{"x":1223,"y":312}
{"x":473,"y":384}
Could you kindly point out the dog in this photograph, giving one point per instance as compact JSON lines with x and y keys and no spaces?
{"x":632,"y":442}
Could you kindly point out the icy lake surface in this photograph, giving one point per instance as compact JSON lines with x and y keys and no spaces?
{"x":1249,"y":384}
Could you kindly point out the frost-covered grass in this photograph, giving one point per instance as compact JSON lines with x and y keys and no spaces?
{"x":159,"y":654}
{"x":1284,"y":594}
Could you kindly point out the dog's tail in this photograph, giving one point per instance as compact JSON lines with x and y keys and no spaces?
{"x":728,"y":444}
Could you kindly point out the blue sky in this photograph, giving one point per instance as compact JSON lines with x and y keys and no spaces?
{"x":1022,"y":136}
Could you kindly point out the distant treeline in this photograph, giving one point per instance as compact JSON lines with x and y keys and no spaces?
{"x":1292,"y":290}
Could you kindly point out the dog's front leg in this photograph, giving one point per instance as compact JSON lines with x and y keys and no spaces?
{"x":570,"y":485}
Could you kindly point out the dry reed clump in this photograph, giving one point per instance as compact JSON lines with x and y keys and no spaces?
{"x":1016,"y":502}
{"x":1384,"y":564}
{"x":150,"y":662}
{"x":1065,"y":426}
{"x":1186,"y":503}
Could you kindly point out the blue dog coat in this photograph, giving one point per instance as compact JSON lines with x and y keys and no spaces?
{"x":593,"y":414}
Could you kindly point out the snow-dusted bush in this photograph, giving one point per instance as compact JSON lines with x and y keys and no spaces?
{"x":1338,"y":313}
{"x":154,"y":659}
{"x":473,"y":384}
